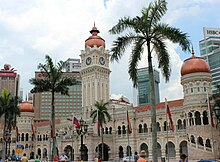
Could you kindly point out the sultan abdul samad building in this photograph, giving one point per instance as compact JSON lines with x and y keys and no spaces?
{"x":193,"y":134}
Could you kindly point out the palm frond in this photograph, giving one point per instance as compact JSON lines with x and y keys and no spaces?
{"x":134,"y":60}
{"x":123,"y":24}
{"x":120,"y":45}
{"x":174,"y":35}
{"x":155,"y":12}
{"x":163,"y":57}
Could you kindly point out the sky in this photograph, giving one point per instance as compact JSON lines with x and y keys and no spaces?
{"x":31,"y":29}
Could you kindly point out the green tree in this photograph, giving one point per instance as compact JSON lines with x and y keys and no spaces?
{"x":53,"y":81}
{"x":101,"y":114}
{"x":10,"y":110}
{"x":148,"y":33}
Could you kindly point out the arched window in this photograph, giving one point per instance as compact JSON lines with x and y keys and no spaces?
{"x":165,"y":126}
{"x":184,"y":124}
{"x":26,"y":138}
{"x":119,"y":130}
{"x":208,"y":143}
{"x":110,"y":130}
{"x":200,"y":141}
{"x":145,"y":128}
{"x":40,"y":138}
{"x":179,"y":124}
{"x":22,"y":137}
{"x":198,"y":118}
{"x":140,"y":128}
{"x":123,"y":129}
{"x":106,"y":130}
{"x":205,"y":118}
{"x":192,"y":139}
{"x":191,"y":122}
{"x":198,"y":87}
{"x":191,"y":88}
{"x":204,"y":87}
{"x":158,"y":127}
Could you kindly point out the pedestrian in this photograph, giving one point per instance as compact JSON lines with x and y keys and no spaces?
{"x":55,"y":159}
{"x":183,"y":158}
{"x":142,"y":156}
{"x":63,"y":157}
{"x":1,"y":159}
{"x":136,"y":157}
{"x":24,"y":158}
{"x":37,"y":159}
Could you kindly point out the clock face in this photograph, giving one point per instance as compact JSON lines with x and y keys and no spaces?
{"x":88,"y":60}
{"x":101,"y":60}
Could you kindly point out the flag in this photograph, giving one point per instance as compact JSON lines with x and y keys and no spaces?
{"x":170,"y":117}
{"x":51,"y":130}
{"x":76,"y":122}
{"x":210,"y":111}
{"x":129,"y":124}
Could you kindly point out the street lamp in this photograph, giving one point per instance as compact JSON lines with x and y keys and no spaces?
{"x":217,"y":111}
{"x":81,"y":131}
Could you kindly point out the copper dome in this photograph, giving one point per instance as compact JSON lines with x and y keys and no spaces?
{"x":26,"y":107}
{"x":95,"y":39}
{"x":194,"y":64}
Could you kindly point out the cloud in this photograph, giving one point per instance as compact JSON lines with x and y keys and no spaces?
{"x":30,"y":29}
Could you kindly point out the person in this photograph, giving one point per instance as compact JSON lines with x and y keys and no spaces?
{"x":24,"y":158}
{"x":63,"y":157}
{"x":142,"y":156}
{"x":1,"y":159}
{"x":37,"y":159}
{"x":136,"y":157}
{"x":183,"y":158}
{"x":55,"y":159}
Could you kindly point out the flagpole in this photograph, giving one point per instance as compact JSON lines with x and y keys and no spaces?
{"x":211,"y":124}
{"x":128,"y":136}
{"x":98,"y":130}
{"x":168,"y":159}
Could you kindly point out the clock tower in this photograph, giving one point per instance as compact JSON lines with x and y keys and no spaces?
{"x":94,"y":72}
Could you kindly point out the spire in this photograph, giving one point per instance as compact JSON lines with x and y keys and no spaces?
{"x":94,"y":30}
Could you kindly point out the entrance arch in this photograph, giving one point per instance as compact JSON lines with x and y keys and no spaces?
{"x":44,"y":153}
{"x":121,"y":152}
{"x":144,"y":147}
{"x":69,"y":152}
{"x":106,"y":150}
{"x":170,"y":150}
{"x":39,"y":152}
{"x":183,"y":148}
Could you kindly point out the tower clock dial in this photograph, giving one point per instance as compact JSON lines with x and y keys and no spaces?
{"x":88,"y":61}
{"x":102,"y":60}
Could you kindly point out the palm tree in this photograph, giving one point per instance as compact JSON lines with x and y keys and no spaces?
{"x":9,"y":108}
{"x":147,"y":32}
{"x":101,"y":115}
{"x":55,"y":82}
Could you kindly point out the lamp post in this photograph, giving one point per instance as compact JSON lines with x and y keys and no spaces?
{"x":217,"y":111}
{"x":81,"y":131}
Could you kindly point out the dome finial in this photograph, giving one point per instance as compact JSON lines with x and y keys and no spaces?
{"x":192,"y":52}
{"x":94,"y":23}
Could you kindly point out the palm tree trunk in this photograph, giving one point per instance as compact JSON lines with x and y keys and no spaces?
{"x":53,"y":126}
{"x":153,"y":105}
{"x":102,"y":144}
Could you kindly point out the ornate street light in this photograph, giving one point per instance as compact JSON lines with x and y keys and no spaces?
{"x":81,"y":131}
{"x":217,"y":110}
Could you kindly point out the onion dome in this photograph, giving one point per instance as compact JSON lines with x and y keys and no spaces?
{"x":94,"y":39}
{"x":194,"y":64}
{"x":26,"y":107}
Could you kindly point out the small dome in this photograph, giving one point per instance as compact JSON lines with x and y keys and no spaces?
{"x":95,"y":39}
{"x":26,"y":107}
{"x":194,"y":65}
